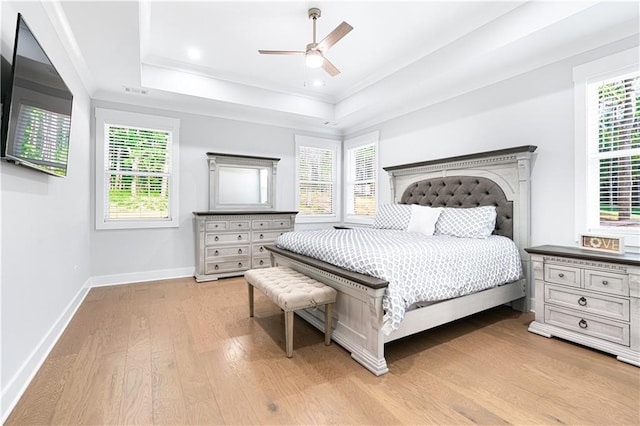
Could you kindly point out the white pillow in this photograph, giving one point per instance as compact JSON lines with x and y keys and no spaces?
{"x":392,"y":216}
{"x":474,"y":222}
{"x":423,"y":219}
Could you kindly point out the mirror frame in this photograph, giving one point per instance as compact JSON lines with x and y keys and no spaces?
{"x":241,"y":161}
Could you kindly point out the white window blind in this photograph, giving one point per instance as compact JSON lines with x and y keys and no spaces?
{"x":138,"y":173}
{"x":614,"y":149}
{"x":316,"y":171}
{"x":44,"y":138}
{"x":136,"y":170}
{"x":361,"y":180}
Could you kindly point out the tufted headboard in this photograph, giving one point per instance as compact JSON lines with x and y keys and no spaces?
{"x":463,"y":191}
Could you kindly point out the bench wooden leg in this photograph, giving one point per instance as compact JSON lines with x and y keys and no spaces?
{"x":288,"y":332}
{"x":328,"y":310}
{"x":250,"y":300}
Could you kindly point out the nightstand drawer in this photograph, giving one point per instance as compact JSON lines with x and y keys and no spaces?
{"x":612,"y":331}
{"x":263,"y":262}
{"x":561,"y":274}
{"x":584,"y":301}
{"x":606,"y":282}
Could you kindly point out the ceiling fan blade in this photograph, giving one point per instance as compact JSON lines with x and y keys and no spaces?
{"x":281,"y":52}
{"x":334,"y":36}
{"x":330,"y":68}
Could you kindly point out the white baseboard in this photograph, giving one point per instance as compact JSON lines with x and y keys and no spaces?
{"x":18,"y":383}
{"x":137,"y":277}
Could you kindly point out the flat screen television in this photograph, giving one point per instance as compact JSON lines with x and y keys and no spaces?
{"x":36,"y":108}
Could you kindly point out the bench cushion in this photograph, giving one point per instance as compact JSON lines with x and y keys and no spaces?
{"x":290,"y":289}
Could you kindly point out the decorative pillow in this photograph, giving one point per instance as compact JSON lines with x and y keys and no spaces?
{"x":474,"y":222}
{"x":392,"y":216}
{"x":423,"y":219}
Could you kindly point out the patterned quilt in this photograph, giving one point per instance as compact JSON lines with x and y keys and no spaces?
{"x":418,"y":267}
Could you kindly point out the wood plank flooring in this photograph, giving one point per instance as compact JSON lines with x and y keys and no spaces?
{"x":179,"y":352}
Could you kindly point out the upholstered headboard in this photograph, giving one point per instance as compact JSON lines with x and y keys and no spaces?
{"x":463,"y":191}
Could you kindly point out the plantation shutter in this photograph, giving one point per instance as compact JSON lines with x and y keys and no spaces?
{"x":362,"y":180}
{"x":615,"y":148}
{"x":137,"y":173}
{"x":316,"y":176}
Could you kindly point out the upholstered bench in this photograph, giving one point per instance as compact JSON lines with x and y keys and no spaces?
{"x":292,"y":290}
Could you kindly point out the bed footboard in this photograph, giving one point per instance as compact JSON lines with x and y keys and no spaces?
{"x":357,"y":313}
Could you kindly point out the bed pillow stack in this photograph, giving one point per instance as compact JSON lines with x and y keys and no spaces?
{"x":473,"y":222}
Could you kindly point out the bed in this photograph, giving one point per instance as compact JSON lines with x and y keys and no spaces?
{"x":498,"y":178}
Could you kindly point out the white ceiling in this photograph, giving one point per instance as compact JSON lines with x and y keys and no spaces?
{"x":400,"y":56}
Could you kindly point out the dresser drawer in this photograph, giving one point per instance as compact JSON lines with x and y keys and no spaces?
{"x":584,"y":301}
{"x":216,"y":238}
{"x":239,"y":225}
{"x":211,"y":253}
{"x":281,"y":223}
{"x":561,"y":274}
{"x":226,"y":266}
{"x":606,"y":282}
{"x":261,"y":224}
{"x":260,"y":236}
{"x":260,"y":262}
{"x":259,"y":249}
{"x":601,"y":328}
{"x":217,"y":225}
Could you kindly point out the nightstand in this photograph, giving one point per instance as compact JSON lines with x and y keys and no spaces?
{"x":588,"y":297}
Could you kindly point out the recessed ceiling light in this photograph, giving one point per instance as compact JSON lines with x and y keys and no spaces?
{"x":318,"y":83}
{"x":193,"y":53}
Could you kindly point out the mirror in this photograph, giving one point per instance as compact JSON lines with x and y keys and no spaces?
{"x":239,"y":182}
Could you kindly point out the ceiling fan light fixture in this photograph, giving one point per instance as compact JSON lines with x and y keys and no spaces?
{"x":314,"y":59}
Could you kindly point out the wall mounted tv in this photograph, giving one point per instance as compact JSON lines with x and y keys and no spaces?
{"x":36,"y":108}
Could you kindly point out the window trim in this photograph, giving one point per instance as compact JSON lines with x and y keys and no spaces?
{"x":620,"y":63}
{"x":105,"y":116}
{"x":372,"y":138}
{"x":331,"y":144}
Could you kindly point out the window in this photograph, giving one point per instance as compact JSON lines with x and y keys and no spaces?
{"x":136,"y":170}
{"x":607,"y":96}
{"x":317,"y":183}
{"x":614,"y":149}
{"x":361,"y":178}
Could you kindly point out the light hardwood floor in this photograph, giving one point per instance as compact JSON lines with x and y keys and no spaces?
{"x":179,"y":352}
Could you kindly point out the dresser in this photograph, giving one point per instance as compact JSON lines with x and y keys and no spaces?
{"x":588,"y":297}
{"x":229,"y":243}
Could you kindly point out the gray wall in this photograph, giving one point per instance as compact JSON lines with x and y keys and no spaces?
{"x":536,"y":108}
{"x":44,"y":228}
{"x":127,"y":255}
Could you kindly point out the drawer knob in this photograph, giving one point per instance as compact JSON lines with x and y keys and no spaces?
{"x":239,"y":251}
{"x":582,"y":301}
{"x":239,"y":237}
{"x":216,"y":239}
{"x":605,"y":282}
{"x":239,"y":264}
{"x":582,"y":323}
{"x":215,"y":253}
{"x":216,"y":267}
{"x":261,"y":236}
{"x":561,"y":275}
{"x":239,"y":225}
{"x":261,"y":248}
{"x":262,"y":262}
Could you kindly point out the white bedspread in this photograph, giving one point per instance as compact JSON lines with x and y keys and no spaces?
{"x":418,"y":267}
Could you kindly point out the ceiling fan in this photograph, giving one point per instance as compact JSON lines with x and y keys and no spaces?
{"x":314,"y":53}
